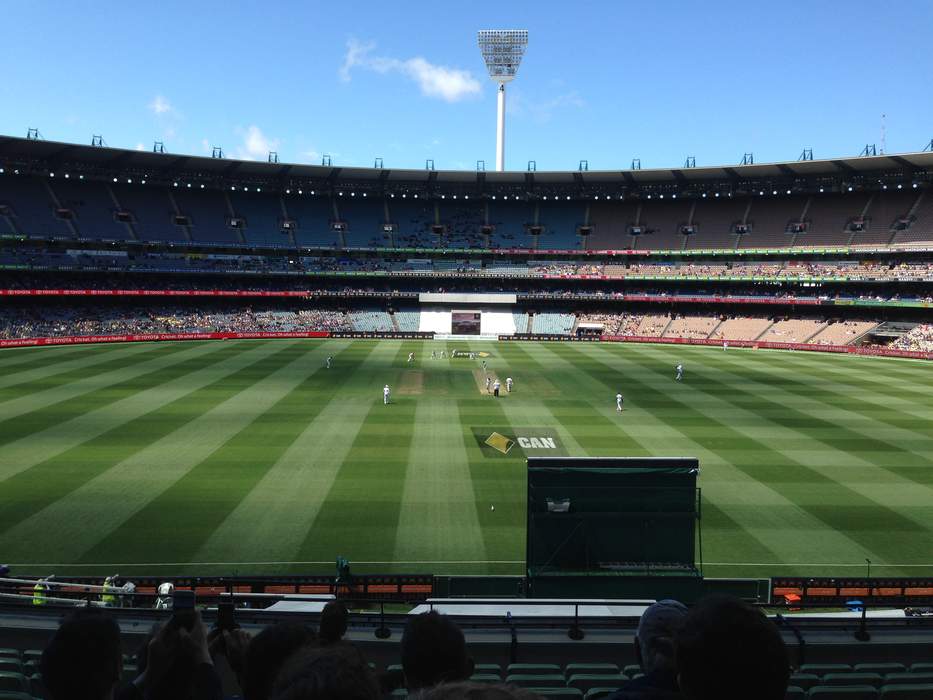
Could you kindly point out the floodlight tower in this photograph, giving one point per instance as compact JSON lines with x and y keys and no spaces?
{"x":502,"y":51}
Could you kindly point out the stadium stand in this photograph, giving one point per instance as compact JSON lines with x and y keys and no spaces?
{"x":918,"y":338}
{"x":370,"y":320}
{"x":561,"y":324}
{"x":793,"y":330}
{"x":842,"y":332}
{"x":691,"y":327}
{"x":407,"y":319}
{"x":312,"y":214}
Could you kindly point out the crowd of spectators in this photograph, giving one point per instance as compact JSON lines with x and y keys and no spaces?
{"x":919,"y":338}
{"x":401,"y":265}
{"x":721,"y":649}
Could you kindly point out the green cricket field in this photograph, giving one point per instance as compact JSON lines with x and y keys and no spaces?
{"x":251,"y":456}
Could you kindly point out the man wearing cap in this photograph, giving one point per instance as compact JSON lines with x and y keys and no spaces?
{"x":654,"y":650}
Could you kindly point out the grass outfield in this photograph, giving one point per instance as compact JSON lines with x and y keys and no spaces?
{"x":250,"y":456}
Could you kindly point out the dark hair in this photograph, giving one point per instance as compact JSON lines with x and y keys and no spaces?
{"x":331,"y":673}
{"x":434,"y":651}
{"x":333,"y":622}
{"x":266,"y":653}
{"x":728,"y":650}
{"x":84,"y":659}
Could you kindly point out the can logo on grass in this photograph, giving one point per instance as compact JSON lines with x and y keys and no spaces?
{"x":500,"y":442}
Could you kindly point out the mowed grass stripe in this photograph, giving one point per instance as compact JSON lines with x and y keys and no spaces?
{"x":832,"y":389}
{"x":36,"y":372}
{"x":203,"y":384}
{"x":592,"y":425}
{"x":809,"y":443}
{"x":271,"y":522}
{"x":438,"y":519}
{"x":497,"y":480}
{"x":88,"y":427}
{"x":106,"y":503}
{"x":681,"y":430}
{"x":226,"y":451}
{"x":840,"y":508}
{"x":33,"y":413}
{"x":16,"y":359}
{"x":833,"y":420}
{"x":360,"y":513}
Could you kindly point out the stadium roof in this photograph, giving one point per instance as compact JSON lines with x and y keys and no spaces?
{"x":41,"y":153}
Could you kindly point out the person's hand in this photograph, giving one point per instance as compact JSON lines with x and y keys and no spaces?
{"x":159,"y":655}
{"x":193,"y":642}
{"x":233,"y":644}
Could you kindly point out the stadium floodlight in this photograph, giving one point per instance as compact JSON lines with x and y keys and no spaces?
{"x":503,"y":50}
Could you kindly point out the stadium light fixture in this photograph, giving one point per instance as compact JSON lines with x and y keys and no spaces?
{"x":502,"y":51}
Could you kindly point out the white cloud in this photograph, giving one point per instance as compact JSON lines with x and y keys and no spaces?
{"x":256,"y":145}
{"x":448,"y":84}
{"x":517,"y":104}
{"x":140,"y":146}
{"x":313,"y":156}
{"x":206,"y":146}
{"x":160,"y":106}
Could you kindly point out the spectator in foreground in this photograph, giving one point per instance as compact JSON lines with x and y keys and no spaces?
{"x":728,"y":650}
{"x":84,"y":660}
{"x":434,"y":651}
{"x":334,"y":618}
{"x":266,"y":654}
{"x":332,"y":673}
{"x":654,"y":651}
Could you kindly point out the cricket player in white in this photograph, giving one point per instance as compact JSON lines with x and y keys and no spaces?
{"x":487,"y":382}
{"x":680,"y":372}
{"x":725,"y":345}
{"x":385,"y":394}
{"x":619,"y":402}
{"x":328,"y":362}
{"x":433,"y":355}
{"x":411,"y":356}
{"x":508,"y":384}
{"x":484,"y":365}
{"x":495,"y":388}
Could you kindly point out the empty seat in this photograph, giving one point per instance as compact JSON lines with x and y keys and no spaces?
{"x":399,"y":693}
{"x":11,"y":665}
{"x":843,"y":692}
{"x":585,"y":681}
{"x":10,"y":680}
{"x":804,"y":680}
{"x":882,"y":668}
{"x":901,"y":678}
{"x":823,"y":669}
{"x":537,"y":680}
{"x":488,"y":668}
{"x":873,"y":679}
{"x":533,"y":668}
{"x":10,"y":653}
{"x":597,"y":693}
{"x":915,"y":668}
{"x":571,"y":669}
{"x":393,"y":667}
{"x":795,"y":693}
{"x":486,"y":678}
{"x":558,"y":692}
{"x":907,"y":691}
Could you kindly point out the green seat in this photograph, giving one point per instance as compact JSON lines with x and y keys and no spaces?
{"x":571,"y":669}
{"x":907,"y":691}
{"x":795,"y":693}
{"x":532,"y":668}
{"x":399,"y":693}
{"x":823,"y":669}
{"x":13,"y":695}
{"x":558,"y":692}
{"x":843,"y":692}
{"x":486,"y":678}
{"x":11,"y":665}
{"x":32,"y":654}
{"x":7,"y":653}
{"x":14,"y":681}
{"x":909,"y":677}
{"x":393,"y":667}
{"x":585,"y":681}
{"x":631,"y":670}
{"x":804,"y":680}
{"x":488,"y":669}
{"x":597,"y":693}
{"x":537,"y":680}
{"x":914,"y":668}
{"x":872,"y":679}
{"x":882,"y":668}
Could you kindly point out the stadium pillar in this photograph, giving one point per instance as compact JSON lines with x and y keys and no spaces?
{"x":500,"y":129}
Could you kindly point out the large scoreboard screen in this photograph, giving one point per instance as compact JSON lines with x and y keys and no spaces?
{"x":465,"y":322}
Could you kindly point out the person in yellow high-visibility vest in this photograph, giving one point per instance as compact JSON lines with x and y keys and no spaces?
{"x":40,"y":592}
{"x":107,"y":596}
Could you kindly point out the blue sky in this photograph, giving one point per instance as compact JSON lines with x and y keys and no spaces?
{"x":602,"y":81}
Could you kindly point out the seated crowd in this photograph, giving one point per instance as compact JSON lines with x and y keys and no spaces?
{"x":721,"y":649}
